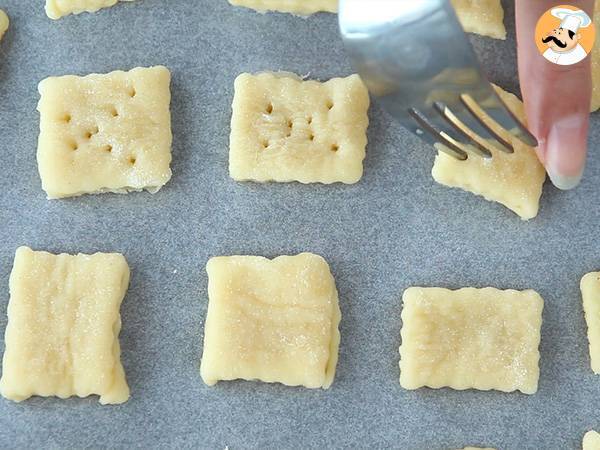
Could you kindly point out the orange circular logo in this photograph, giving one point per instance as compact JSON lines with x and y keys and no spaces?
{"x":565,"y":35}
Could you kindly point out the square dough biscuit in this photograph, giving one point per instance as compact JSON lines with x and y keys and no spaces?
{"x":55,"y":9}
{"x":62,"y":337}
{"x":514,"y":180}
{"x":485,"y":17}
{"x":303,"y":7}
{"x":286,"y":129}
{"x":105,"y":132}
{"x":4,"y":22}
{"x":591,"y":441}
{"x":271,"y":320}
{"x":470,"y":338}
{"x":590,"y":292}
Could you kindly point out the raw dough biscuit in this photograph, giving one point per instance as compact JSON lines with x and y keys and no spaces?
{"x":590,"y":291}
{"x":470,"y":338}
{"x":271,"y":320}
{"x":55,"y":9}
{"x":62,"y":337}
{"x":289,"y":6}
{"x":591,"y":441}
{"x":485,"y":17}
{"x":4,"y":22}
{"x":285,"y":129}
{"x":105,"y":132}
{"x":513,"y":179}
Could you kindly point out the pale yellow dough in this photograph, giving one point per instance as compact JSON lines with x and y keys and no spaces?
{"x":62,"y":337}
{"x":590,"y":292}
{"x":271,"y":320}
{"x":484,"y":17}
{"x":286,"y":129}
{"x":513,"y":179}
{"x":470,"y":338}
{"x":304,"y":7}
{"x":591,"y":441}
{"x":4,"y":23}
{"x":105,"y":132}
{"x":55,"y":9}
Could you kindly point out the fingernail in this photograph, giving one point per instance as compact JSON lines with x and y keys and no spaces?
{"x":565,"y":152}
{"x":564,"y":182}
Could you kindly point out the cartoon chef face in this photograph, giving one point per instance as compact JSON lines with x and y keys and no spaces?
{"x":561,"y":40}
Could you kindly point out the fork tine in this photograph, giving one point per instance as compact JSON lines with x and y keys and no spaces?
{"x":474,"y":138}
{"x":428,"y":132}
{"x":437,"y":117}
{"x":493,"y":108}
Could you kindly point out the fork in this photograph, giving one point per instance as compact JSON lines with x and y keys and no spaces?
{"x":414,"y":57}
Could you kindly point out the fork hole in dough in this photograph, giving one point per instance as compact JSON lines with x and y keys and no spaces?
{"x":269,"y":108}
{"x":66,"y":118}
{"x":90,"y":133}
{"x":309,"y":120}
{"x":114,"y":112}
{"x":311,"y":137}
{"x":107,"y":148}
{"x":73,"y":145}
{"x":329,"y":105}
{"x":132,"y":160}
{"x":335,"y":147}
{"x":132,"y":92}
{"x":265,"y":144}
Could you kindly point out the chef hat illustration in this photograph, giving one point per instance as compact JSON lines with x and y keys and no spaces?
{"x":572,"y":20}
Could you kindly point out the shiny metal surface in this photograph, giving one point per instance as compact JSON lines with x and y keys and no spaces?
{"x":416,"y":59}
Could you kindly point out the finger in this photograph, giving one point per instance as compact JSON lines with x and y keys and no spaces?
{"x":556,"y":98}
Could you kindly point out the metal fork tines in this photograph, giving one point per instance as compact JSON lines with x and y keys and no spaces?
{"x":417,"y":60}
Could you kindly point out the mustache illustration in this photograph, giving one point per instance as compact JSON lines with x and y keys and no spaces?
{"x":556,"y":41}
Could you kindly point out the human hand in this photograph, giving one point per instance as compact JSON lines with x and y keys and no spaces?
{"x":557,"y":98}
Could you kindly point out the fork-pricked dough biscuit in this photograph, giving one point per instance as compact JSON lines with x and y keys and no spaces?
{"x":591,"y":440}
{"x":513,"y":179}
{"x":105,"y":132}
{"x":470,"y":338}
{"x":62,"y":337}
{"x":286,"y":129}
{"x":590,"y":292}
{"x":55,"y":9}
{"x":289,"y":6}
{"x":271,"y":320}
{"x":485,"y":17}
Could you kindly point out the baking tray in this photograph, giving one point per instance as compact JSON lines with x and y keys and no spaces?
{"x":395,"y":228}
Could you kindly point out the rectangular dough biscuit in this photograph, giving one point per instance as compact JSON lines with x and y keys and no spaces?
{"x":591,"y":441}
{"x":303,"y":7}
{"x":470,"y":338}
{"x":271,"y":320}
{"x":485,"y":17}
{"x":514,"y":180}
{"x":55,"y":9}
{"x":105,"y":132}
{"x":62,"y":337}
{"x":590,"y":292}
{"x":286,"y":129}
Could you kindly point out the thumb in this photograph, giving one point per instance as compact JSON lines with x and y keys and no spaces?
{"x":557,"y":98}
